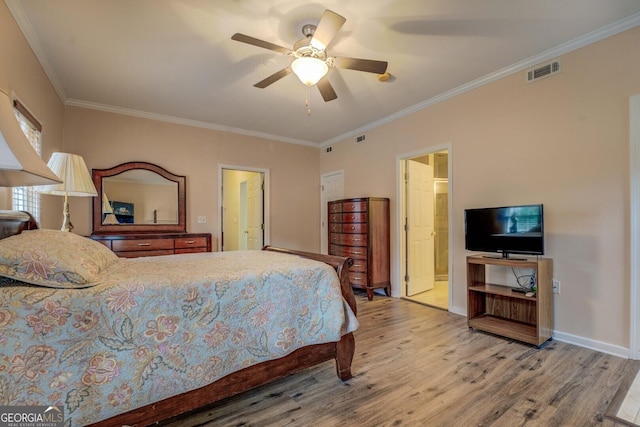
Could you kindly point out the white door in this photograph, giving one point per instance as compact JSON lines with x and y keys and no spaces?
{"x":243,"y":235}
{"x":419,"y":228}
{"x":255,"y":198}
{"x":331,"y":188}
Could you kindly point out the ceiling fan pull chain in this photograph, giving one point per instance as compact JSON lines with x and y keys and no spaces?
{"x":306,"y":101}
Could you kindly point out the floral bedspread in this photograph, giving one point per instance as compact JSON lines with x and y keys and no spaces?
{"x":159,"y":326}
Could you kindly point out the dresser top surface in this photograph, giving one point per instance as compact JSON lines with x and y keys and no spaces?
{"x":360,"y":199}
{"x":131,"y":236}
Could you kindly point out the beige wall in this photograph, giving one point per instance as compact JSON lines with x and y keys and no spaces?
{"x":562,"y":141}
{"x":22,"y":77}
{"x":107,"y":139}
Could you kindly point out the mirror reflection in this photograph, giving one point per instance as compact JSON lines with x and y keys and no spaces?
{"x":146,"y":198}
{"x":139,"y":196}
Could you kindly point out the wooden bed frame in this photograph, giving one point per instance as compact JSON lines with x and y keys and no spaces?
{"x":259,"y":374}
{"x":15,"y":222}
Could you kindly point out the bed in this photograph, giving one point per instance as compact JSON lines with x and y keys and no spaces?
{"x":135,"y":341}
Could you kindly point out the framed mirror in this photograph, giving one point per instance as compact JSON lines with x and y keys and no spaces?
{"x":138,"y":197}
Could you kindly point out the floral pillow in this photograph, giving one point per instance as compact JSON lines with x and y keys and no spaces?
{"x":53,"y":258}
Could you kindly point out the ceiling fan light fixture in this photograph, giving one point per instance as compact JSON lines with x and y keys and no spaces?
{"x":309,"y":69}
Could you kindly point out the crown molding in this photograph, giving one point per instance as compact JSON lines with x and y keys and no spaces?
{"x":602,"y":33}
{"x":182,"y":121}
{"x":577,"y":43}
{"x":29,"y":33}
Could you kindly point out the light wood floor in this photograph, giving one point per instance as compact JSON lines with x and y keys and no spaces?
{"x":421,"y":366}
{"x":436,"y":297}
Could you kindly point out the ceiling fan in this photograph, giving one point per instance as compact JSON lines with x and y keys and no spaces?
{"x":311,"y":62}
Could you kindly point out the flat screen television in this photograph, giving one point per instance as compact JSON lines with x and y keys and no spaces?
{"x":506,"y":230}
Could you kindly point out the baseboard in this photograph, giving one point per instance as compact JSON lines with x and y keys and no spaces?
{"x":458,"y":310}
{"x":592,"y":344}
{"x":600,"y":346}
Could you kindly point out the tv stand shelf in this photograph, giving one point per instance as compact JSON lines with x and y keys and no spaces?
{"x":498,"y":310}
{"x":500,"y":290}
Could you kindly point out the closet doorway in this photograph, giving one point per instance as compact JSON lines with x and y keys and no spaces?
{"x":424,"y":234}
{"x":331,"y":188}
{"x":243,"y":222}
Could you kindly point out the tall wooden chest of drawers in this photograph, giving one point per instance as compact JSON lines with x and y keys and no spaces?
{"x":359,"y":228}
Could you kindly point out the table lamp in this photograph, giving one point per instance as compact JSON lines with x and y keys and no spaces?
{"x":108,"y":217}
{"x":76,"y":182}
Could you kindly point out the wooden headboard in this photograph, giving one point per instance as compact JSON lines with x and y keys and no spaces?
{"x":14,"y":222}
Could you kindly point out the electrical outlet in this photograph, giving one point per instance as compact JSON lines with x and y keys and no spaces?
{"x":556,"y":286}
{"x":202,"y":219}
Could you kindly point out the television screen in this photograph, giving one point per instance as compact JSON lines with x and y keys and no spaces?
{"x":123,"y":212}
{"x":507,"y":229}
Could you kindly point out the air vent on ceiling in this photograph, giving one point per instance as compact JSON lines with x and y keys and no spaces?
{"x":542,"y":71}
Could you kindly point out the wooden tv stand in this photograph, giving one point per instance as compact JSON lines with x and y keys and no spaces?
{"x":499,"y":310}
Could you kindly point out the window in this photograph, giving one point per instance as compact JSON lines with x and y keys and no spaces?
{"x":26,"y":198}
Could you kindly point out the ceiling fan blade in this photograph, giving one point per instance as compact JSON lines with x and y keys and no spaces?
{"x":329,"y":25}
{"x":260,"y":43}
{"x":273,"y":78}
{"x":368,"y":65}
{"x":326,"y":90}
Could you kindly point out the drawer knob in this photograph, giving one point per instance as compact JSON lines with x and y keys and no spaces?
{"x":190,"y":242}
{"x":353,"y":227}
{"x":144,"y":244}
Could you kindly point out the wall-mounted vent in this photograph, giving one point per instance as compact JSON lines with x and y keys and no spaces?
{"x":542,"y":71}
{"x":360,"y":138}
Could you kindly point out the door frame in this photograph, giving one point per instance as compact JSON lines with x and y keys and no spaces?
{"x":634,"y":225}
{"x":265,"y":206}
{"x":400,"y":213}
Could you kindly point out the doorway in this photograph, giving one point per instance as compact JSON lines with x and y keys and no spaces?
{"x":634,"y":133}
{"x":243,"y":222}
{"x":331,"y":188}
{"x":425,"y":228}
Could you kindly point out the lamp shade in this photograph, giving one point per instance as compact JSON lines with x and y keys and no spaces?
{"x":106,"y":206}
{"x":74,"y":174}
{"x":19,"y":162}
{"x":309,"y":69}
{"x":108,"y":217}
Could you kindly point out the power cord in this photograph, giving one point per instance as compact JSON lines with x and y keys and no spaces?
{"x":526,"y":282}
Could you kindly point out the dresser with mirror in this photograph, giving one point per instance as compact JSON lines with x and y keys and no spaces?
{"x":141,"y":211}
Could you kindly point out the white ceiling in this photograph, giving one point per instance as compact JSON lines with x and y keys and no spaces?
{"x":175,"y":60}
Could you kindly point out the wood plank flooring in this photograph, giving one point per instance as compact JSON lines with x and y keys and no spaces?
{"x":420,"y":366}
{"x":436,"y":297}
